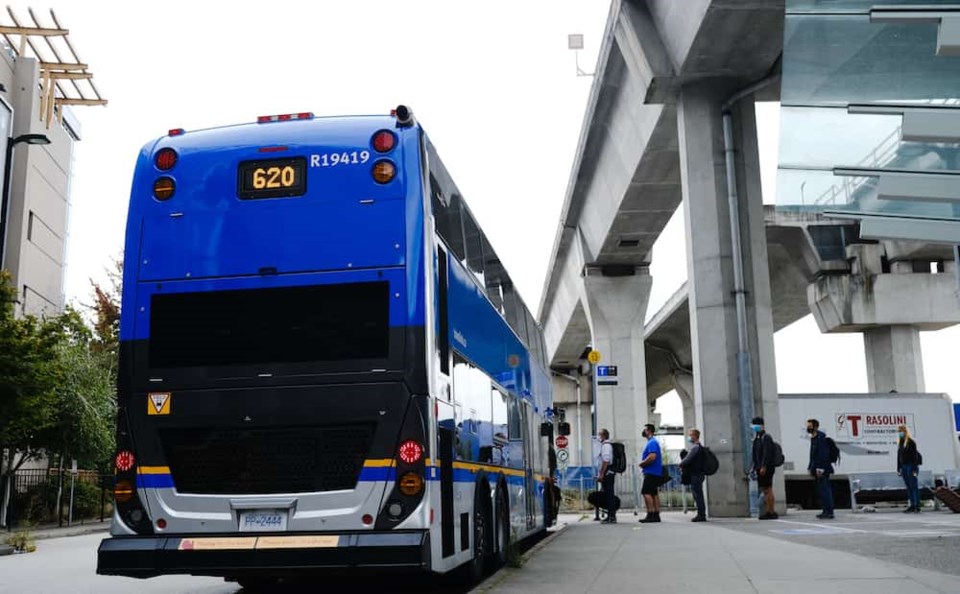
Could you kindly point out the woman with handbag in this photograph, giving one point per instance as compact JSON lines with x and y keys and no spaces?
{"x":908,"y":467}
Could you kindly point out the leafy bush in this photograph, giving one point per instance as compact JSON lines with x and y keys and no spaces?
{"x":22,"y":541}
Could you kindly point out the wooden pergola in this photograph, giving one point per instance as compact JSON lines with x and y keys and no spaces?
{"x":62,"y":82}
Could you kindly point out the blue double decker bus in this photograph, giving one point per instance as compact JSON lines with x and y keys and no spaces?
{"x":324,"y":364}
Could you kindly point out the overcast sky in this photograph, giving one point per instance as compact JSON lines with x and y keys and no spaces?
{"x":492,"y":82}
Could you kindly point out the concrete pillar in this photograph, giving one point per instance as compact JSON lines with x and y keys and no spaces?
{"x":683,"y":384}
{"x":894,"y":359}
{"x":713,"y":321}
{"x":616,"y":309}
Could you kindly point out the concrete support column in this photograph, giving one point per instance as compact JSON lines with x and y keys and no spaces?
{"x":894,"y":359}
{"x":616,"y":309}
{"x":713,"y":318}
{"x":683,"y":384}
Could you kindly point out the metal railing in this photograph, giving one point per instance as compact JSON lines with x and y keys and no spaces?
{"x":673,"y":495}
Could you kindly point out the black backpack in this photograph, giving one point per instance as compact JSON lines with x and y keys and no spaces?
{"x":710,"y":462}
{"x":619,"y":463}
{"x":834,"y":451}
{"x":778,"y":458}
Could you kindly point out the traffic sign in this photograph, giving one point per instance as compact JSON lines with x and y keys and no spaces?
{"x":593,"y":357}
{"x":561,"y":441}
{"x":607,"y":371}
{"x":563,"y":456}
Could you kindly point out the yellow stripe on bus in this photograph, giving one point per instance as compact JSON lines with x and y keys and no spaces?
{"x":474,"y":467}
{"x":385,"y":462}
{"x":153,"y":470}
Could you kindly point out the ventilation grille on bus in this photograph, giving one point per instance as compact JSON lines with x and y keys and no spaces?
{"x":262,"y":461}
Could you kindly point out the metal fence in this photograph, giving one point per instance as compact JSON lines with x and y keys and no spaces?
{"x":673,"y":495}
{"x":34,"y":495}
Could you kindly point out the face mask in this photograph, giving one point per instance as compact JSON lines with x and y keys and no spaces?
{"x":811,"y":430}
{"x":902,"y":434}
{"x":756,"y":428}
{"x":690,"y":439}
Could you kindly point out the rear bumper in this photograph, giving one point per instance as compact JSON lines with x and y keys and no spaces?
{"x":279,"y":554}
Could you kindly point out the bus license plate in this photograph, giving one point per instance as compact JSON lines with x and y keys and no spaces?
{"x":269,"y":520}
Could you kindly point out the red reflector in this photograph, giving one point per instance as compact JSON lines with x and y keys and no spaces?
{"x":264,"y":119}
{"x":384,"y":141}
{"x":124,"y":461}
{"x":304,"y":115}
{"x":410,"y":452}
{"x":272,"y":149}
{"x":176,"y":132}
{"x":161,"y":523}
{"x":284,"y":117}
{"x":367,"y":519}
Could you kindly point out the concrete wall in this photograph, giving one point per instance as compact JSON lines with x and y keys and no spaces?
{"x":39,"y":194}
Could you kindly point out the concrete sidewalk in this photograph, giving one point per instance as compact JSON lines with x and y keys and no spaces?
{"x":44,"y":532}
{"x":677,"y":556}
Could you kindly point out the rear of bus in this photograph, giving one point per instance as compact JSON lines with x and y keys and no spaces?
{"x":272,"y":390}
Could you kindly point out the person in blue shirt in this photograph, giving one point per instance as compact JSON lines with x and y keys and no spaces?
{"x":651,"y":461}
{"x":820,"y":467}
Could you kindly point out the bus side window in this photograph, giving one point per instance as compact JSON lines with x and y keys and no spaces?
{"x":443,"y":327}
{"x":514,"y":433}
{"x":500,"y":438}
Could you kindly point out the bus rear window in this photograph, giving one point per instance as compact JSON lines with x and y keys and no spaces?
{"x":270,"y":326}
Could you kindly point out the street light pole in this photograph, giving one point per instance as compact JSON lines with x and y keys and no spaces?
{"x":7,"y":170}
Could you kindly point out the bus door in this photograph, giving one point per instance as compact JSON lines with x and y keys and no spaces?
{"x":529,"y":461}
{"x":446,"y":432}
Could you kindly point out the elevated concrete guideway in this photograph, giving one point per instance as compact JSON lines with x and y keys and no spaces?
{"x":637,"y":162}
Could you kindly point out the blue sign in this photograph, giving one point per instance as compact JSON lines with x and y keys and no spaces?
{"x":607,"y":371}
{"x":956,"y":416}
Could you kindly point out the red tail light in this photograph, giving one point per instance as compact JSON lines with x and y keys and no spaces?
{"x":176,"y":132}
{"x":410,"y":452}
{"x":124,"y":461}
{"x":285,"y":117}
{"x":165,"y":159}
{"x":384,"y":141}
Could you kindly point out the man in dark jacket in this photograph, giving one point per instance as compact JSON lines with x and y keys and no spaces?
{"x":691,"y":466}
{"x":763,"y":467}
{"x":820,"y":467}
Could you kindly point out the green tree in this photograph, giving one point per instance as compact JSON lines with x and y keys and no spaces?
{"x":28,"y":376}
{"x":84,"y":405}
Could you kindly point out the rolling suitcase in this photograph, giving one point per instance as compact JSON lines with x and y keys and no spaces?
{"x":949,"y":497}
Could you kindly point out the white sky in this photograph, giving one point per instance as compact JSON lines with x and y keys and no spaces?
{"x":492,"y":82}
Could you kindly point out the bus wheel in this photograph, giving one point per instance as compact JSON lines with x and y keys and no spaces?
{"x":257,"y":584}
{"x":501,"y":529}
{"x":481,"y":520}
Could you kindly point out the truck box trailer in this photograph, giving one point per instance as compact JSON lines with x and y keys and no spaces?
{"x":864,"y":427}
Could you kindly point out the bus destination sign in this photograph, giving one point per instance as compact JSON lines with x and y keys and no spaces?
{"x":273,"y":178}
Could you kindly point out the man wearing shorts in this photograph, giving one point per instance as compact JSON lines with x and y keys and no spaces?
{"x":651,"y":461}
{"x":763,"y":467}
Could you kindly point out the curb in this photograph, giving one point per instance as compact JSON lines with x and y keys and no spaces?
{"x":502,"y":573}
{"x":72,"y":531}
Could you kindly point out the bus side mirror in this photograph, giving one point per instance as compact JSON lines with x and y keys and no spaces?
{"x":546,"y":429}
{"x":563,"y":428}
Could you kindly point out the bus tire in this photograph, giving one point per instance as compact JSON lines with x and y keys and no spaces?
{"x":501,"y":527}
{"x":257,"y":584}
{"x":481,"y":531}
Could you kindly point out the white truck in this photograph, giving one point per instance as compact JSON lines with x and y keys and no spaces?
{"x":864,"y":427}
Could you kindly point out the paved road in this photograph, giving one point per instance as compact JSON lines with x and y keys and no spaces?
{"x":69,"y":565}
{"x":930,"y":540}
{"x":722,"y":557}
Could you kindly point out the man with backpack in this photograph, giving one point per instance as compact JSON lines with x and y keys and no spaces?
{"x":606,"y":476}
{"x":694,"y":466}
{"x":823,"y":453}
{"x":764,"y":466}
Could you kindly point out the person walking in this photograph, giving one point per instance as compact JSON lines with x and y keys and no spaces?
{"x":651,"y":461}
{"x":908,"y":467}
{"x":606,"y":476}
{"x":763,"y":467}
{"x":820,"y":467}
{"x":692,"y":469}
